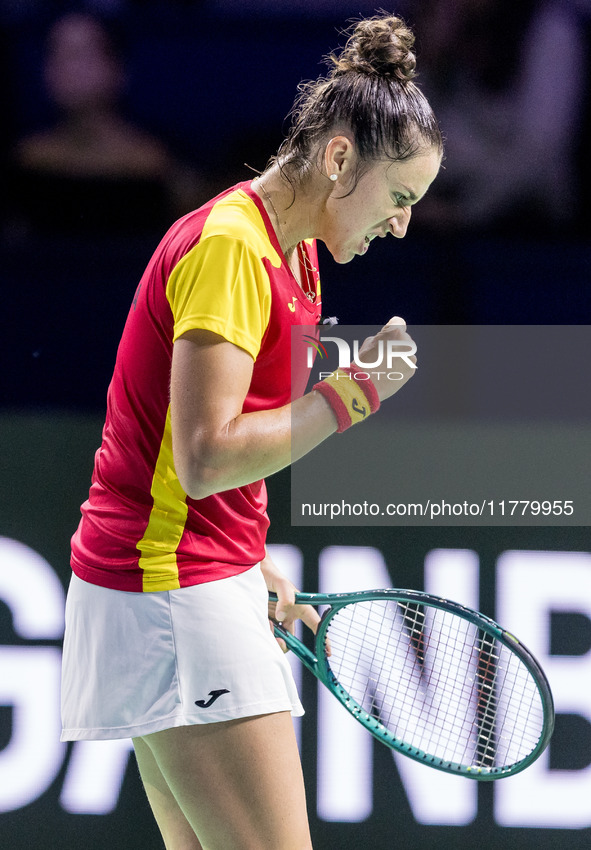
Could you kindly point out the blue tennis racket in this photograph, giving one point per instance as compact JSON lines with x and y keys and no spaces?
{"x":431,"y":679}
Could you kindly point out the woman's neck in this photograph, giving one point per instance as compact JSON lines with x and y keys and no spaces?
{"x":293,"y":217}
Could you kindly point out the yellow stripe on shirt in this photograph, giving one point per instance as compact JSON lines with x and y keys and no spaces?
{"x":166,"y":524}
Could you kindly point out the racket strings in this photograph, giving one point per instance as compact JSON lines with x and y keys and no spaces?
{"x":436,"y":682}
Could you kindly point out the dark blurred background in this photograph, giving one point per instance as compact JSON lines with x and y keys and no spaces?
{"x":117,"y":116}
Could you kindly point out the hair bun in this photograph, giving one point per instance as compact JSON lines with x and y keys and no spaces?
{"x":379,"y":46}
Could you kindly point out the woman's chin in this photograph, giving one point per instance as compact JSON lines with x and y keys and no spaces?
{"x":342,"y":254}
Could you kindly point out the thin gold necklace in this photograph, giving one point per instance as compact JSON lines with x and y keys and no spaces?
{"x":302,"y":258}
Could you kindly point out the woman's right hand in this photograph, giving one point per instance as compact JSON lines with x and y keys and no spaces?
{"x":398,"y":357}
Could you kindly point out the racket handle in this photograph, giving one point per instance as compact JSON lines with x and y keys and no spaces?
{"x":297,"y":647}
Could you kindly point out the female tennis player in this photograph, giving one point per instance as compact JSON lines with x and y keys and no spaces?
{"x":167,"y":637}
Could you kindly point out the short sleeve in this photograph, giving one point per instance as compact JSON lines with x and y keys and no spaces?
{"x":222,"y":286}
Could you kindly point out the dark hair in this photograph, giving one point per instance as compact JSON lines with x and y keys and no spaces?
{"x":369,"y":90}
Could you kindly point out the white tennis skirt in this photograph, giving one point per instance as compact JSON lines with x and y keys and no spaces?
{"x":136,"y":663}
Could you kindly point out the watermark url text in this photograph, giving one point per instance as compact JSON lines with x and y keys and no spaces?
{"x":442,"y":508}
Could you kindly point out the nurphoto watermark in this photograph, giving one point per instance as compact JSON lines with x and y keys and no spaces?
{"x":492,"y":429}
{"x":388,"y":354}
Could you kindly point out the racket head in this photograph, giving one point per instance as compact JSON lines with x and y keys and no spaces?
{"x":435,"y":680}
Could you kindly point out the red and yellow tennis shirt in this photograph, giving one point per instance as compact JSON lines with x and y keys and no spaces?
{"x":221,"y":269}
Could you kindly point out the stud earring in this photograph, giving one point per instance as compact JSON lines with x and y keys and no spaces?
{"x":334,"y":177}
